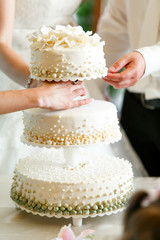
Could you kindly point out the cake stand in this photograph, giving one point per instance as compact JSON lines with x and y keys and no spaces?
{"x":76,"y":219}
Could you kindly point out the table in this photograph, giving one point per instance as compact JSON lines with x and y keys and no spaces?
{"x":18,"y":225}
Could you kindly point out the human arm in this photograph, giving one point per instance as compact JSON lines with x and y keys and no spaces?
{"x":134,"y":67}
{"x":137,"y":64}
{"x":10,"y":62}
{"x":49,"y":95}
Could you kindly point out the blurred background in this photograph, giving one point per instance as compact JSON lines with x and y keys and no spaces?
{"x":88,"y":13}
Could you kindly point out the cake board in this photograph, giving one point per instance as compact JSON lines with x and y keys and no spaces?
{"x":77,"y":220}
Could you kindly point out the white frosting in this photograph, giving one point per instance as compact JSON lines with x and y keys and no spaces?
{"x":66,"y":53}
{"x":88,"y":124}
{"x":103,"y":178}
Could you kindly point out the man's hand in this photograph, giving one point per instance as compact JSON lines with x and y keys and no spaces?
{"x":134,"y":65}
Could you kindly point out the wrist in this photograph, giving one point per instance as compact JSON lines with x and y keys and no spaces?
{"x":33,"y":97}
{"x":32,"y":83}
{"x":38,"y":98}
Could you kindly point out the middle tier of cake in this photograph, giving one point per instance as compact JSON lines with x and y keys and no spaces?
{"x":89,"y":124}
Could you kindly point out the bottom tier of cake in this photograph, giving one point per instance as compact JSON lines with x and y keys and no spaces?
{"x":98,"y":186}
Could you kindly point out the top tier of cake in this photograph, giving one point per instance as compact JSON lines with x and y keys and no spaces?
{"x":66,"y":53}
{"x":96,"y":122}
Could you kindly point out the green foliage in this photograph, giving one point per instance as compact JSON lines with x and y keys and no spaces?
{"x":84,"y":15}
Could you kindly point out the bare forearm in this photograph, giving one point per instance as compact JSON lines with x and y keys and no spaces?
{"x":53,"y":96}
{"x":16,"y":100}
{"x":13,"y":65}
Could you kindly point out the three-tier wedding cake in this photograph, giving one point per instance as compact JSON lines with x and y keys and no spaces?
{"x":84,"y":183}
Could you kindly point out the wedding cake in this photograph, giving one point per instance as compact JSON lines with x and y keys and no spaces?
{"x":84,"y":181}
{"x":66,"y":53}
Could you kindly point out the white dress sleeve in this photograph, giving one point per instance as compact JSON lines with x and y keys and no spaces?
{"x":112,"y":27}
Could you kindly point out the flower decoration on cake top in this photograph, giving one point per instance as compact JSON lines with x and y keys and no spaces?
{"x":66,"y":53}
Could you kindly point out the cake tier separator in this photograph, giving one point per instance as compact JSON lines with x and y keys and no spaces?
{"x":76,"y":219}
{"x":75,"y":155}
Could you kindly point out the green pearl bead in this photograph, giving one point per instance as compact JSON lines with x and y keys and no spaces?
{"x":110,"y":209}
{"x":85,"y":212}
{"x":62,"y":208}
{"x":78,"y":208}
{"x":69,"y":208}
{"x":118,"y":206}
{"x":44,"y":202}
{"x":35,"y":209}
{"x":59,"y":212}
{"x":31,"y":208}
{"x":80,"y":212}
{"x":114,"y":208}
{"x":107,"y":205}
{"x":66,"y":205}
{"x":29,"y":203}
{"x":66,"y":212}
{"x":99,"y":211}
{"x":38,"y":205}
{"x":95,"y":207}
{"x":26,"y":205}
{"x":56,"y":209}
{"x":87,"y":207}
{"x":93,"y":211}
{"x":24,"y":200}
{"x":105,"y":209}
{"x":44,"y":207}
{"x":73,"y":212}
{"x":114,"y":200}
{"x":100,"y":206}
{"x":33,"y":204}
{"x":74,"y":204}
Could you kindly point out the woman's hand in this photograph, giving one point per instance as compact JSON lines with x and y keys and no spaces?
{"x":134,"y":65}
{"x":49,"y":95}
{"x":60,"y":95}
